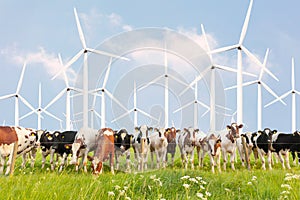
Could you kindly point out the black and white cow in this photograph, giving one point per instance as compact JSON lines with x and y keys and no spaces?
{"x":186,"y":144}
{"x":262,"y":142}
{"x":122,"y":147}
{"x":63,"y":147}
{"x":283,"y":143}
{"x":141,"y":152}
{"x":158,"y":145}
{"x":240,"y":147}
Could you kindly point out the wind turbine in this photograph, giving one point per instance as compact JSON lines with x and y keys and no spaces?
{"x":166,"y":77}
{"x":195,"y":102}
{"x":39,"y":111}
{"x":17,"y":95}
{"x":261,"y":84}
{"x":104,"y":91}
{"x":67,"y":90}
{"x":135,"y":110}
{"x":293,"y":92}
{"x":84,"y":52}
{"x":240,"y":48}
{"x":212,"y":71}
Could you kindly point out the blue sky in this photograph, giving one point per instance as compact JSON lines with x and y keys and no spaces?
{"x":38,"y":31}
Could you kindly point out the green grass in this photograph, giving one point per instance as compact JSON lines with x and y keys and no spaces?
{"x":169,"y":183}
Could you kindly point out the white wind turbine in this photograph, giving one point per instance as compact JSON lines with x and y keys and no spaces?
{"x":39,"y":111}
{"x":293,"y":92}
{"x":195,"y":102}
{"x":166,"y":77}
{"x":17,"y":96}
{"x":135,"y":110}
{"x":67,"y":91}
{"x":261,"y":84}
{"x":212,"y":69}
{"x":240,"y":47}
{"x":84,"y":52}
{"x":105,"y":92}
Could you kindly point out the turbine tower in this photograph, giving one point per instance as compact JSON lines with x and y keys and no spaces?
{"x":18,"y":96}
{"x":293,"y":92}
{"x":261,"y":84}
{"x":135,"y":110}
{"x":67,"y":90}
{"x":240,"y":48}
{"x":84,"y":51}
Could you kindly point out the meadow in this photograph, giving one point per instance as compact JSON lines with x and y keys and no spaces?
{"x":170,"y":183}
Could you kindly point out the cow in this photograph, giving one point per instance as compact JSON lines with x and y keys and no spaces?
{"x":249,"y":146}
{"x":262,"y":142}
{"x":228,"y":144}
{"x":282,"y":144}
{"x":104,"y":150}
{"x":186,"y":144}
{"x":140,"y":146}
{"x":47,"y":140}
{"x":171,"y":148}
{"x":26,"y":140}
{"x":85,"y":142}
{"x":158,"y":145}
{"x":211,"y":145}
{"x":63,"y":146}
{"x":122,"y":142}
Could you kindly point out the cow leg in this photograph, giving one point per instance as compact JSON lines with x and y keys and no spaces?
{"x":157,"y":159}
{"x":2,"y":161}
{"x":163,"y":157}
{"x":199,"y":156}
{"x":128,"y":161}
{"x":192,"y":159}
{"x":84,"y":161}
{"x":201,"y":159}
{"x":270,"y":159}
{"x":117,"y":160}
{"x":224,"y":154}
{"x":33,"y":156}
{"x":145,"y":160}
{"x":52,"y":152}
{"x":152,"y":162}
{"x":262,"y":157}
{"x":111,"y":161}
{"x":232,"y":159}
{"x":212,"y":163}
{"x":24,"y":160}
{"x":287,"y":161}
{"x":183,"y":159}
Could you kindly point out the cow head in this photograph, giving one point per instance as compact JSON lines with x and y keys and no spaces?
{"x":248,"y":139}
{"x":234,"y":129}
{"x":171,"y":134}
{"x":191,"y":135}
{"x":56,"y":138}
{"x":143,"y":133}
{"x":214,"y":144}
{"x":122,"y":139}
{"x":269,"y":132}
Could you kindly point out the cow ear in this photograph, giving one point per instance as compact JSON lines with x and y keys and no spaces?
{"x":197,"y":130}
{"x":177,"y":131}
{"x":150,"y":129}
{"x":241,"y":126}
{"x":156,"y":130}
{"x":136,"y":128}
{"x":274,"y":131}
{"x":228,"y":127}
{"x":56,"y":134}
{"x":219,"y":141}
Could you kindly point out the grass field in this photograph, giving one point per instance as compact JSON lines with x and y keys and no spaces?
{"x":169,"y":183}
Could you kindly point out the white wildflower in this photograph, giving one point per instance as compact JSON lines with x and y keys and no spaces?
{"x":286,"y":186}
{"x":202,"y":187}
{"x":111,"y":193}
{"x":199,"y":178}
{"x":254,"y":178}
{"x":125,"y":188}
{"x":127,"y":198}
{"x":193,"y":180}
{"x":200,"y":195}
{"x":153,"y":177}
{"x":207,"y":193}
{"x":285,"y":192}
{"x":122,"y":192}
{"x":186,"y":186}
{"x":185,"y":177}
{"x":203,"y":182}
{"x":227,"y":190}
{"x":117,"y":187}
{"x":249,"y":183}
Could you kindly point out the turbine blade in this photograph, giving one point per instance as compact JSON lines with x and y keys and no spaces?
{"x":150,"y":83}
{"x":55,"y":99}
{"x":26,"y":115}
{"x":27,"y":104}
{"x":178,"y":80}
{"x":75,"y":58}
{"x":21,"y":78}
{"x":271,"y":74}
{"x":184,"y":106}
{"x":203,"y":104}
{"x":223,"y":107}
{"x":7,"y":96}
{"x":275,"y":95}
{"x":64,"y":72}
{"x":251,"y":56}
{"x":223,"y":49}
{"x":205,"y":113}
{"x":293,"y":74}
{"x":246,"y":22}
{"x":244,"y":84}
{"x":206,"y":41}
{"x":146,"y":114}
{"x":51,"y":115}
{"x":121,"y":116}
{"x":107,"y":54}
{"x":115,"y":100}
{"x":107,"y":73}
{"x":81,"y":35}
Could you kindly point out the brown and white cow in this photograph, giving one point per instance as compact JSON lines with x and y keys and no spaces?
{"x":158,"y":145}
{"x":26,"y":139}
{"x":171,"y":138}
{"x":104,"y":150}
{"x":85,"y":142}
{"x":249,"y":146}
{"x":211,"y":145}
{"x":186,"y":144}
{"x":228,"y":144}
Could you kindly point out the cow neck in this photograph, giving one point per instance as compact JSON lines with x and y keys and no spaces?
{"x":270,"y":147}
